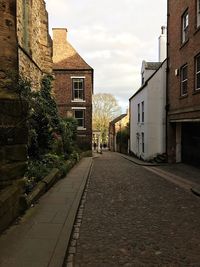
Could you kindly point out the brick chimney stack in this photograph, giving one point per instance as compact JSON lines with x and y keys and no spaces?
{"x":59,"y":35}
{"x":59,"y":44}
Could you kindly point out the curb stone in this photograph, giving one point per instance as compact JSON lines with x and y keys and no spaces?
{"x":43,"y":186}
{"x":196,"y":190}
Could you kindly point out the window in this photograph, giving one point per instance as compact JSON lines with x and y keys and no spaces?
{"x":197,"y":83}
{"x":198,"y":13}
{"x":184,"y":80}
{"x":138,"y":112}
{"x":142,"y":142}
{"x":78,"y":89}
{"x":143,"y":111}
{"x":26,"y":22}
{"x":80,"y":116}
{"x":185,"y":26}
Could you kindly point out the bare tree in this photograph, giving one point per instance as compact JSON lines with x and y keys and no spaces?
{"x":105,"y":109}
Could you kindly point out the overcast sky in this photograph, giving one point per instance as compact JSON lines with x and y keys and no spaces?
{"x":113,"y":37}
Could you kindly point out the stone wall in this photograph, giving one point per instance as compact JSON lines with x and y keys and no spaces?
{"x":13,"y":131}
{"x":8,"y":46}
{"x":25,"y":47}
{"x":35,"y":45}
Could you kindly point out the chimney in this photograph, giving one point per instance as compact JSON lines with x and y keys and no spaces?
{"x":163,"y":44}
{"x":59,"y":35}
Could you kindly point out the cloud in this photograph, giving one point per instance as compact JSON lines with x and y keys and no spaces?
{"x":113,"y":37}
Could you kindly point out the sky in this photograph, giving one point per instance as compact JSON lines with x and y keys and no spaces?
{"x":113,"y":37}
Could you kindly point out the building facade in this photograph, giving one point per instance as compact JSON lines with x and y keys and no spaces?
{"x":148,"y":116}
{"x":73,"y":86}
{"x":183,"y":82}
{"x":148,"y":107}
{"x":116,"y":126}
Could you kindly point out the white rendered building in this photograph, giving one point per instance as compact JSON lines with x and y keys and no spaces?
{"x":147,"y":109}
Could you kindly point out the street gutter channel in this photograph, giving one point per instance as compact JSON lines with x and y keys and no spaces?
{"x":75,"y":233}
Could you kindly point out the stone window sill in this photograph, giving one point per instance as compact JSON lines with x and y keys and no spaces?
{"x":197,"y":91}
{"x":183,"y":96}
{"x":78,"y":101}
{"x":184,"y":44}
{"x":197,"y":30}
{"x":81,"y":129}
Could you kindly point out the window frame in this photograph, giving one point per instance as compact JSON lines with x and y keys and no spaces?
{"x":185,"y":28}
{"x":138,"y":112}
{"x":198,"y":13}
{"x":26,"y":25}
{"x":197,"y":73}
{"x":142,"y":142}
{"x":142,"y":111}
{"x":183,"y":80}
{"x":80,"y":91}
{"x":82,"y":126}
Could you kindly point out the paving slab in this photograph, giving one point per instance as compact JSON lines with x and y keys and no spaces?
{"x":41,"y":237}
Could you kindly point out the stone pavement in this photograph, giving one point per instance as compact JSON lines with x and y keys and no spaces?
{"x":133,"y":218}
{"x":181,"y":171}
{"x":41,"y":237}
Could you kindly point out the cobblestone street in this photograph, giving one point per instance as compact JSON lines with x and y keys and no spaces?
{"x":133,"y":217}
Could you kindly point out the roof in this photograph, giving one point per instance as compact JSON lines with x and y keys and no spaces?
{"x":72,"y":60}
{"x":119,"y":118}
{"x":146,"y":82}
{"x":65,"y":56}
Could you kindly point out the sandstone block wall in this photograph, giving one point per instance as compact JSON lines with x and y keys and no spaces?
{"x":8,"y":46}
{"x":25,"y":48}
{"x":35,"y":44}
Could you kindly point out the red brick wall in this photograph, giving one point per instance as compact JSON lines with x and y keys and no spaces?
{"x":179,"y":54}
{"x":181,"y":108}
{"x":63,"y":95}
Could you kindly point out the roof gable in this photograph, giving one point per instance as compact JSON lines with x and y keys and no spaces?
{"x":64,"y":54}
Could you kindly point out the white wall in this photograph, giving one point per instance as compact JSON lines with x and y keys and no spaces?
{"x":136,"y":128}
{"x":156,"y":124}
{"x":145,"y":73}
{"x":154,"y":97}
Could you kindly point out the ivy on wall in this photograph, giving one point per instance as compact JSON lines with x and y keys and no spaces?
{"x":52,"y":139}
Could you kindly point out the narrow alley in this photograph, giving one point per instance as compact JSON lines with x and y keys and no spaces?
{"x":133,"y":217}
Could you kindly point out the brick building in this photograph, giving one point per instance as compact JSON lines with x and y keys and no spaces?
{"x":183,"y":82}
{"x":73,"y":86}
{"x":116,"y":126}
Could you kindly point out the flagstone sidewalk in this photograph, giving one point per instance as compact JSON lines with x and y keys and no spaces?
{"x":41,"y":236}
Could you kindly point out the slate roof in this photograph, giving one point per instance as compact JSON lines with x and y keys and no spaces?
{"x":118,"y":118}
{"x":146,"y":82}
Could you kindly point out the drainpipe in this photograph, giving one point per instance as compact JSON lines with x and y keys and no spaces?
{"x":167,"y":83}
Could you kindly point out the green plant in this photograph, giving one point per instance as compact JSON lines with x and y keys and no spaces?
{"x":52,"y":139}
{"x":68,"y":133}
